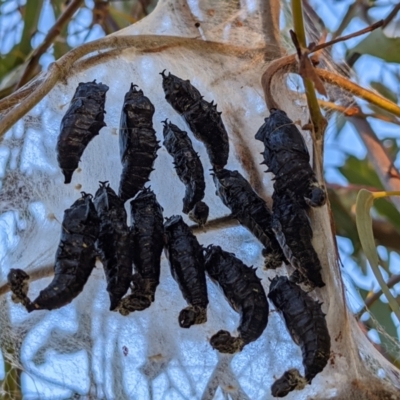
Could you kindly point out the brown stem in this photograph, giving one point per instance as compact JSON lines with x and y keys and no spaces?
{"x":14,"y":98}
{"x":370,"y":299}
{"x":51,"y":36}
{"x":34,"y":275}
{"x":283,"y":64}
{"x":48,"y":270}
{"x":350,"y":36}
{"x":355,"y":111}
{"x":142,"y":43}
{"x":391,"y":15}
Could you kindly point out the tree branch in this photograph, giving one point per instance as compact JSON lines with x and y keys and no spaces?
{"x":317,"y":119}
{"x":355,"y":111}
{"x":61,"y":68}
{"x":51,"y":36}
{"x":48,"y":270}
{"x":368,"y":95}
{"x":288,"y":63}
{"x":370,"y":299}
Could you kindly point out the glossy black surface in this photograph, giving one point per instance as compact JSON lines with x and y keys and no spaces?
{"x":251,"y":211}
{"x":202,"y":117}
{"x":81,"y":123}
{"x":305,"y":322}
{"x":186,"y":259}
{"x":114,"y":243}
{"x":137,"y":142}
{"x":244,"y":292}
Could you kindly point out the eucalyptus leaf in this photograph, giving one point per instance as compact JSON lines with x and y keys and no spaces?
{"x":377,"y":44}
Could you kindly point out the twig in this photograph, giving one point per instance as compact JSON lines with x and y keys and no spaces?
{"x":282,"y":65}
{"x":387,"y":172}
{"x":391,"y":15}
{"x":368,"y":95}
{"x":355,"y":111}
{"x":48,"y":270}
{"x":287,"y":64}
{"x":371,"y":298}
{"x":63,"y":66}
{"x":51,"y":36}
{"x":351,"y":12}
{"x":214,"y":224}
{"x":317,"y":119}
{"x":34,"y":275}
{"x":347,"y":37}
{"x":14,"y":98}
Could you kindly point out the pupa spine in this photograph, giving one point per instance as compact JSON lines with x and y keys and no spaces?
{"x":287,"y":157}
{"x":187,"y":164}
{"x":244,"y":292}
{"x":75,"y":258}
{"x":293,"y":231}
{"x":202,"y":117}
{"x":80,"y":124}
{"x":305,"y":322}
{"x":137,"y":142}
{"x":113,"y":243}
{"x":186,"y":259}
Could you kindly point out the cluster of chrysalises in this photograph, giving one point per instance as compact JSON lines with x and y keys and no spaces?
{"x":295,"y":190}
{"x":131,"y":256}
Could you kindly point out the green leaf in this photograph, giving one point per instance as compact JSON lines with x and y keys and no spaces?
{"x":384,"y":90}
{"x":377,"y":44}
{"x":344,"y":221}
{"x":364,"y":203}
{"x":382,"y":318}
{"x":360,"y":172}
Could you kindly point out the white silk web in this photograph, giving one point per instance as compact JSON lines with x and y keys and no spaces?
{"x":85,"y":351}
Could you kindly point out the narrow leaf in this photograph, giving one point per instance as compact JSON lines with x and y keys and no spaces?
{"x":364,"y":203}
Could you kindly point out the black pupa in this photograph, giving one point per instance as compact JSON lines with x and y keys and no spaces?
{"x":251,"y":211}
{"x":137,"y":142}
{"x":81,"y":123}
{"x":114,"y":243}
{"x":244,"y":292}
{"x":306,"y":324}
{"x":188,"y":166}
{"x":287,"y":157}
{"x":202,"y":117}
{"x":75,"y":259}
{"x":186,"y":259}
{"x":147,"y":235}
{"x":293,"y":231}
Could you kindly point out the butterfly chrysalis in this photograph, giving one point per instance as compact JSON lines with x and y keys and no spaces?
{"x":244,"y":292}
{"x":81,"y":123}
{"x":186,"y":259}
{"x":251,"y":211}
{"x":202,"y":117}
{"x":287,"y":157}
{"x":75,"y":258}
{"x":137,"y":142}
{"x":114,"y":243}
